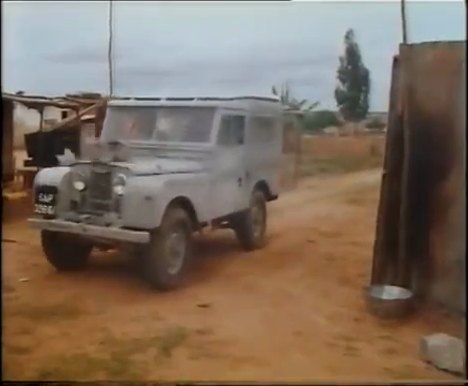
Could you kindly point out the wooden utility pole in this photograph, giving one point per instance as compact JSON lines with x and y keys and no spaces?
{"x":109,"y":53}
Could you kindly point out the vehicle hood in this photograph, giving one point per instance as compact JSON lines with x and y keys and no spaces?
{"x":161,"y":166}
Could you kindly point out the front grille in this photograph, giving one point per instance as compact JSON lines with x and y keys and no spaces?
{"x":100,"y":206}
{"x":100,"y":185}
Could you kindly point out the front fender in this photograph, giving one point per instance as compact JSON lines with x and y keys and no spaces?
{"x":51,"y":176}
{"x":142,"y":206}
{"x":147,"y":197}
{"x":56,"y":177}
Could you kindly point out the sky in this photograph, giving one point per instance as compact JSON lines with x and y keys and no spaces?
{"x":210,"y":48}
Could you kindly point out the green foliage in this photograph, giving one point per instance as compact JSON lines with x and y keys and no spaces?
{"x":318,"y":120}
{"x":375,"y":123}
{"x":352,"y":92}
{"x":287,"y":100}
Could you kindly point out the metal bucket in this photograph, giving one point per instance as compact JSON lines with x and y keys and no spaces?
{"x":389,"y":302}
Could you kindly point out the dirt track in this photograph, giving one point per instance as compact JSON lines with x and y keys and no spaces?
{"x":292,"y":311}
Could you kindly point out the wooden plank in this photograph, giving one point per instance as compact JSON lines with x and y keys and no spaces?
{"x":385,"y":252}
{"x":433,"y":248}
{"x":8,"y":164}
{"x":38,"y":102}
{"x":74,"y":119}
{"x":14,"y":196}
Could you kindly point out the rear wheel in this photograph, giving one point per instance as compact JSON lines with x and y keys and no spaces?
{"x":65,"y":252}
{"x":250,"y":225}
{"x":167,"y":257}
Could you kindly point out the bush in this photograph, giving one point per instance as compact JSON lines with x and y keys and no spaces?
{"x":375,"y":124}
{"x":318,"y":120}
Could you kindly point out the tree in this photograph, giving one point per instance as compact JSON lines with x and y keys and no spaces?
{"x":290,"y":102}
{"x":353,"y":89}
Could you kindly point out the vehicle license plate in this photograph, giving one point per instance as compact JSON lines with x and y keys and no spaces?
{"x":45,"y":202}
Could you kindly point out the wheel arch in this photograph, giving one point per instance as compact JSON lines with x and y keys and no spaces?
{"x":263,"y":186}
{"x":187,"y":205}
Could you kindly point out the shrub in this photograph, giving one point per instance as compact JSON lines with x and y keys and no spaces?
{"x":319,"y":120}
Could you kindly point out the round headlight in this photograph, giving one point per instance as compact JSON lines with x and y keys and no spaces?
{"x":79,"y":185}
{"x":119,"y":184}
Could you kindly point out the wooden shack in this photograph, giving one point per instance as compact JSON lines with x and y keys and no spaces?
{"x":51,"y":138}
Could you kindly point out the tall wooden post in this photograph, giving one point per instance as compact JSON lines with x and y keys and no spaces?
{"x":109,"y":53}
{"x":403,"y":21}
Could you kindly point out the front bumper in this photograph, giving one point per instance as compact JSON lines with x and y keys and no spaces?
{"x":108,"y":233}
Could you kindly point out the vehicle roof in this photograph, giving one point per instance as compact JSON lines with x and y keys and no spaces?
{"x":239,"y":103}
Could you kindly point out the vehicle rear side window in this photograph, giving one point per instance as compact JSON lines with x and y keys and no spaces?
{"x":231,"y":132}
{"x":262,"y":129}
{"x":290,"y":138}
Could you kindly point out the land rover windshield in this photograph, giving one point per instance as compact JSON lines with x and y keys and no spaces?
{"x":158,"y":124}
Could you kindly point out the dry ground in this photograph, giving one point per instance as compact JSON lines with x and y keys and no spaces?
{"x":293,"y":311}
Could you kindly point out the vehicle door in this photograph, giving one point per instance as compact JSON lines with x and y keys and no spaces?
{"x":228,"y":184}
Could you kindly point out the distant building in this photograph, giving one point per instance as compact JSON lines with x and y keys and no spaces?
{"x":331,"y":130}
{"x":380,"y":115}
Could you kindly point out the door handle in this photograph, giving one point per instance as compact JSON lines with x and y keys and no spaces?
{"x":239,"y":181}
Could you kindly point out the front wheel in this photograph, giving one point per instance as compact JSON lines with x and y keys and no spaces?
{"x":65,"y":252}
{"x":250,"y":225}
{"x":167,"y":257}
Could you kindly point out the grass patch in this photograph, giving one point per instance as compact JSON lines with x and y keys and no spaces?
{"x":74,"y":366}
{"x":197,"y":353}
{"x":351,"y":351}
{"x":361,"y":197}
{"x":44,"y":312}
{"x":358,"y":201}
{"x":81,"y":366}
{"x":389,"y":351}
{"x":386,"y":337}
{"x":204,"y":331}
{"x":8,"y":289}
{"x":171,"y":339}
{"x":405,"y":372}
{"x":164,"y":344}
{"x":23,"y":330}
{"x":340,"y":164}
{"x":338,"y":156}
{"x":16,"y":349}
{"x":120,"y":361}
{"x":120,"y":367}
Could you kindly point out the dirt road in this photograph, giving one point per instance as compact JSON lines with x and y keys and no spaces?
{"x":292,"y":311}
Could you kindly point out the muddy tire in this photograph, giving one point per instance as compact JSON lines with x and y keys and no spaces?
{"x":250,"y":225}
{"x":167,"y":257}
{"x":65,"y":252}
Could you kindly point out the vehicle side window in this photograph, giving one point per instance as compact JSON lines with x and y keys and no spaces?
{"x":262,"y":129}
{"x":290,"y":138}
{"x":231,"y":132}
